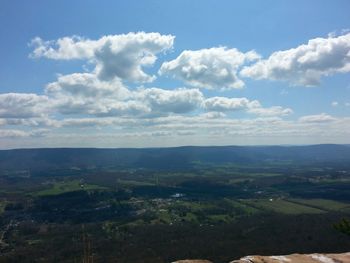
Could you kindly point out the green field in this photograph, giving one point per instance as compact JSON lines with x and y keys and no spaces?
{"x":323,"y":204}
{"x":247,"y":209}
{"x":68,"y":186}
{"x":132,"y":183}
{"x":282,"y":206}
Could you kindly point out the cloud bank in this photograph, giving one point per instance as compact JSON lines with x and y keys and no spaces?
{"x":118,"y":99}
{"x":306,"y":64}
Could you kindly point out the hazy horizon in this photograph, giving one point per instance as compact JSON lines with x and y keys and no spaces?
{"x":179,"y":146}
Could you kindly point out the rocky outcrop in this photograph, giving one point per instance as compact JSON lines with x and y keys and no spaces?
{"x":293,"y":258}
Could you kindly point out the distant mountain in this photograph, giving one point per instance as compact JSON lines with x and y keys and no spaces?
{"x":169,"y":158}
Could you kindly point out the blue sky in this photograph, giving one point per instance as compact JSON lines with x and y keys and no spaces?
{"x":218,"y":73}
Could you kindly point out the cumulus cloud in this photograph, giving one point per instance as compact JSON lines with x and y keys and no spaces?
{"x":318,"y":118}
{"x":22,"y":105}
{"x":305,"y":64}
{"x":86,"y":85}
{"x":84,"y":93}
{"x":122,"y":56}
{"x":65,"y":48}
{"x":209,"y":68}
{"x":103,"y":107}
{"x":229,"y":104}
{"x":222,"y":104}
{"x":271,"y":111}
{"x":176,"y":101}
{"x":213,"y":115}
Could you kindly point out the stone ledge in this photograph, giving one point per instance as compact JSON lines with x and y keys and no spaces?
{"x":293,"y":258}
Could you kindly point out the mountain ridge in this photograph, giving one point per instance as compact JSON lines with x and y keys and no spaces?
{"x":181,"y":158}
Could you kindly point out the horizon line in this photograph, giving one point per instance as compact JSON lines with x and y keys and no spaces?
{"x":173,"y":147}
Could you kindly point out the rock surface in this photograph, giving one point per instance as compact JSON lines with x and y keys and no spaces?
{"x":293,"y":258}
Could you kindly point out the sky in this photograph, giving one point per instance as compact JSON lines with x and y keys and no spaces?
{"x":170,"y":73}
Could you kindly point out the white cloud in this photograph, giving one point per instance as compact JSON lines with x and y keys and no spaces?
{"x":65,"y":48}
{"x":22,"y":105}
{"x":88,"y":122}
{"x":209,"y":68}
{"x":175,"y":101}
{"x":44,"y":121}
{"x":213,"y":115}
{"x":335,"y":103}
{"x":318,"y":118}
{"x":271,"y":111}
{"x":121,"y":108}
{"x":229,"y":104}
{"x":84,"y":93}
{"x":222,"y":104}
{"x":305,"y":64}
{"x":8,"y":133}
{"x":102,"y":107}
{"x":122,"y":56}
{"x":13,"y":133}
{"x":86,"y":85}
